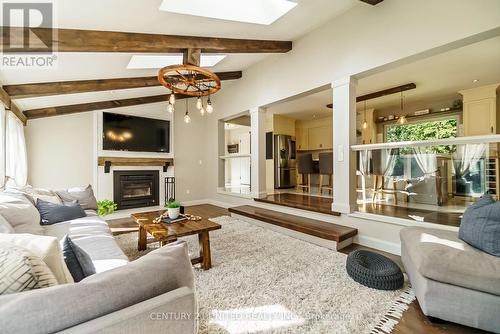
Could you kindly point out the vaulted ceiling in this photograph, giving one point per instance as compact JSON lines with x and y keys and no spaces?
{"x":90,"y":59}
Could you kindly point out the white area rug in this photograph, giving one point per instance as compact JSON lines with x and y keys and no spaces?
{"x":265,"y":282}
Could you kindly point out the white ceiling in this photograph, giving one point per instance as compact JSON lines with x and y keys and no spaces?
{"x":144,"y":16}
{"x":440,"y":76}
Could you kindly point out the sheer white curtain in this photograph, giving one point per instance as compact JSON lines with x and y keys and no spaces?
{"x":467,"y":156}
{"x":365,"y":157}
{"x":16,"y":158}
{"x":426,"y":161}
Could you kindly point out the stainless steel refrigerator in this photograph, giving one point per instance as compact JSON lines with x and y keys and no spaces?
{"x":285,"y":170}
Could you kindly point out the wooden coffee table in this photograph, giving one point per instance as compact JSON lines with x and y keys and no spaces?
{"x":167,"y":233}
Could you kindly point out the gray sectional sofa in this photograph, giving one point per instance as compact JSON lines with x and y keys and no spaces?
{"x":452,"y":280}
{"x":154,"y":294}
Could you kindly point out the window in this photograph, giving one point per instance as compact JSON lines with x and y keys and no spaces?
{"x":13,"y":155}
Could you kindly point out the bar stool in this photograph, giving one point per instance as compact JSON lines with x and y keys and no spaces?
{"x":305,"y":168}
{"x":326,"y":169}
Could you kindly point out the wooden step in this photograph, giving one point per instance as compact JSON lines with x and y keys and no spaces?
{"x":301,"y":201}
{"x":320,"y":229}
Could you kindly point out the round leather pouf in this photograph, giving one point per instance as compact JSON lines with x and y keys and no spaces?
{"x":374,"y":270}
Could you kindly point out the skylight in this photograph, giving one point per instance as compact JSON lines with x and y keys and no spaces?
{"x":148,"y":61}
{"x":249,"y":11}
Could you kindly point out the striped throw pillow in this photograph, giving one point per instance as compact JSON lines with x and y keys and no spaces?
{"x":20,"y":270}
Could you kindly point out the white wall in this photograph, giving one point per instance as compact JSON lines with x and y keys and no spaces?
{"x":191,"y":159}
{"x":60,"y":151}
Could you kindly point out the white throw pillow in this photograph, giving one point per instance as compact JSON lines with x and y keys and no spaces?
{"x":34,"y":193}
{"x":20,"y":213}
{"x":5,"y":227}
{"x":46,"y":248}
{"x":20,"y":270}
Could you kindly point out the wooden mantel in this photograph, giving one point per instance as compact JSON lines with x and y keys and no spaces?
{"x":107,"y":162}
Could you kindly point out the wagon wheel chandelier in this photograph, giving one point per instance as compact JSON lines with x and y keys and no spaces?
{"x":190,"y":80}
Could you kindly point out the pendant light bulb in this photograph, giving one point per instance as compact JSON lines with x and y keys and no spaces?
{"x":210,"y":108}
{"x":365,"y":123}
{"x":171,"y":99}
{"x":402,"y":119}
{"x":199,"y":103}
{"x":187,"y":119}
{"x":170,"y":108}
{"x":202,"y":111}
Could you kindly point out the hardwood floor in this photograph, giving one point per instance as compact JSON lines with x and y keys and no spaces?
{"x":413,"y":320}
{"x":428,"y":216}
{"x":324,"y":205}
{"x":301,"y":201}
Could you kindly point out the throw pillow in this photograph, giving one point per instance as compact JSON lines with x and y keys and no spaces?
{"x":47,"y":248}
{"x":84,"y":196}
{"x":480,"y":226}
{"x":5,"y":227}
{"x":33,"y":194}
{"x":52,"y":213}
{"x":20,"y":270}
{"x":20,"y":213}
{"x":78,"y":261}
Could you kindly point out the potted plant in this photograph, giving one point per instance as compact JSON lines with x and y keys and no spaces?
{"x":174,"y":209}
{"x":106,"y":207}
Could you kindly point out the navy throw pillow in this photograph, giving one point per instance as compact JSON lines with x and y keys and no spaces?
{"x":77,"y":260}
{"x":480,"y":226}
{"x":52,"y":213}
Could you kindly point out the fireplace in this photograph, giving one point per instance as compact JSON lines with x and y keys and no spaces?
{"x":136,"y":188}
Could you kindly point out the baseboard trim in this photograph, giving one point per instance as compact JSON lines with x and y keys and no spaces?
{"x":342,"y":208}
{"x":386,"y":246}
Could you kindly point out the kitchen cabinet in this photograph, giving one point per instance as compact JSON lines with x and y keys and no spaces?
{"x":315,"y":134}
{"x":320,"y":138}
{"x":480,"y":110}
{"x":302,"y":137}
{"x":480,"y":117}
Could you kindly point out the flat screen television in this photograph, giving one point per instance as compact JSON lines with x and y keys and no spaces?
{"x":135,"y":134}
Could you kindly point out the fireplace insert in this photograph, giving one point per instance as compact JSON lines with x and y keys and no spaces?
{"x":136,"y":188}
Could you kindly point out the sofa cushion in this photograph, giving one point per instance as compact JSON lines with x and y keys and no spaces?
{"x":93,"y":235}
{"x":78,"y":261}
{"x":480,"y":225}
{"x":156,"y":273}
{"x":52,"y":213}
{"x":84,"y":196}
{"x":20,"y":213}
{"x":5,"y":227}
{"x":46,"y":248}
{"x":20,"y":270}
{"x":34,"y":194}
{"x":441,"y":256}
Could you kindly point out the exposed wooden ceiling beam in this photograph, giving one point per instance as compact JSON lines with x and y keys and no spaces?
{"x":84,"y":86}
{"x":381,"y":93}
{"x":372,"y":2}
{"x":12,"y":106}
{"x":73,"y":40}
{"x":91,"y":106}
{"x":385,"y":92}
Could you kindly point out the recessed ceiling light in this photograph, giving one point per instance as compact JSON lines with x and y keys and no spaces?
{"x":249,"y":11}
{"x":475,"y":80}
{"x":148,"y":61}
